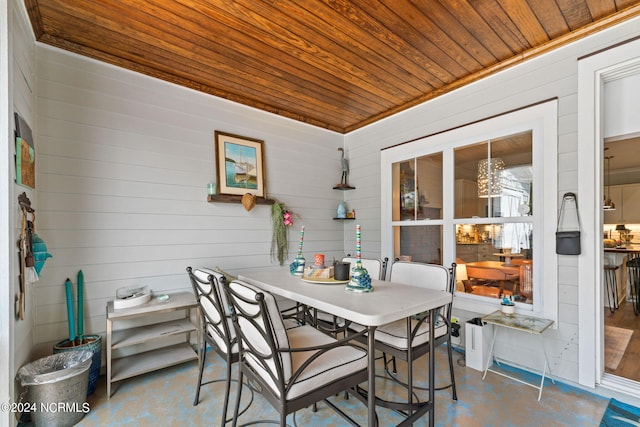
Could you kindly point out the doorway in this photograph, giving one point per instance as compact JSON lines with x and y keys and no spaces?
{"x":621,"y":225}
{"x":594,"y":73}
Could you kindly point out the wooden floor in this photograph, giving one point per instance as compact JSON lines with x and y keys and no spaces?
{"x":625,"y":318}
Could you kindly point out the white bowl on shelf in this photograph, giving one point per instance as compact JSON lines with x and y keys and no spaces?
{"x":128,"y":297}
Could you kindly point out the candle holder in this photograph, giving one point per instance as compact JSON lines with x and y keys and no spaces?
{"x":360,"y":280}
{"x":296,"y":268}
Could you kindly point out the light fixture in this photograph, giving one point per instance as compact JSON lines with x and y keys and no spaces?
{"x":490,"y":177}
{"x":461,"y":272}
{"x":608,"y":203}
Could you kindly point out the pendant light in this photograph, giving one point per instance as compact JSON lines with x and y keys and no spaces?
{"x":490,"y":177}
{"x":609,"y":205}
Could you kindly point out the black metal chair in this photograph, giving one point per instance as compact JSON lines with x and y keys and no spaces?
{"x":216,"y":327}
{"x":294,"y":368}
{"x":408,"y":340}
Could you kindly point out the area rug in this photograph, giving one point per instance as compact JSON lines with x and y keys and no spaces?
{"x":619,"y":414}
{"x":615,"y":344}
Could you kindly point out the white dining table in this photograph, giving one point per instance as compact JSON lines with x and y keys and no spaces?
{"x":387,"y":303}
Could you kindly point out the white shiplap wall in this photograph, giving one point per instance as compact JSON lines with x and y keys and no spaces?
{"x":123,"y":165}
{"x":550,"y":76}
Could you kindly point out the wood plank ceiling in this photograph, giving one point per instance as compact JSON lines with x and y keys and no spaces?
{"x":338,"y":64}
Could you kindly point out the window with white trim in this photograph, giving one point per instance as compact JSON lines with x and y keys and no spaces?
{"x":483,"y":196}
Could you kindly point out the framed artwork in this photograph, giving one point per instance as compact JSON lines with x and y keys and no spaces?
{"x":239,"y":165}
{"x":25,"y":154}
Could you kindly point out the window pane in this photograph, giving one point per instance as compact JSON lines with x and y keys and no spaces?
{"x":404,"y":190}
{"x":429,"y":187}
{"x":418,"y":243}
{"x":417,"y":188}
{"x":516,"y":180}
{"x":467,"y":202}
{"x":496,"y":260}
{"x":494,"y":178}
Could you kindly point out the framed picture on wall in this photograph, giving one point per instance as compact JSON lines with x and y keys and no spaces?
{"x":239,"y":164}
{"x":25,"y":154}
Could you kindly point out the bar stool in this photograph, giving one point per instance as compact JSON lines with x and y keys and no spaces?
{"x":611,"y":286}
{"x":633,"y":271}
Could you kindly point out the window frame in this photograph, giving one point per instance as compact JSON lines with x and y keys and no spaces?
{"x":541,"y":119}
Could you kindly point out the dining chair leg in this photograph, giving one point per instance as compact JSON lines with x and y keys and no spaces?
{"x":236,"y":410}
{"x":202,"y":359}
{"x":454,"y":393}
{"x":410,"y":381}
{"x":226,"y":392}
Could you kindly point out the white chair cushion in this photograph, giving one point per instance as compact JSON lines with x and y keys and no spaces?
{"x":255,"y":336}
{"x":395,"y":333}
{"x":373,"y":266}
{"x":334,"y":364}
{"x":210,"y":310}
{"x":203,"y":274}
{"x":427,"y":276}
{"x":221,"y":342}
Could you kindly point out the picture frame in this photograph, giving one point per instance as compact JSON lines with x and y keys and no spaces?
{"x":239,"y":165}
{"x":25,"y":153}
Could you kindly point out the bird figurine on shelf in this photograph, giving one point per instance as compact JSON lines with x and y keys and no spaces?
{"x":345,"y":170}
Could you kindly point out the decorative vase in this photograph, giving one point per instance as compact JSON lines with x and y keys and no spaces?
{"x":92,"y":343}
{"x":297,"y":266}
{"x":342,"y":210}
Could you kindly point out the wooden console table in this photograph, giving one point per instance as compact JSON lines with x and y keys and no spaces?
{"x":519,"y":322}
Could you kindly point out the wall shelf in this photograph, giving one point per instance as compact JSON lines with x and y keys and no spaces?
{"x":344,"y":219}
{"x":343,"y":187}
{"x":230,"y":198}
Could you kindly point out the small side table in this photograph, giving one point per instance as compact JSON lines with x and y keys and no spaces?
{"x":519,"y":322}
{"x":155,"y":330}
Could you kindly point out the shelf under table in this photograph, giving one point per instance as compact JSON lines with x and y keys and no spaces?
{"x":141,"y":363}
{"x":141,"y":334}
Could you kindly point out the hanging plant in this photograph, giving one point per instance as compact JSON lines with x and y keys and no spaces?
{"x":281,"y":220}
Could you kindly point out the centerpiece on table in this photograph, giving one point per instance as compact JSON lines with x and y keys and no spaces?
{"x":297,"y":266}
{"x":360,"y":280}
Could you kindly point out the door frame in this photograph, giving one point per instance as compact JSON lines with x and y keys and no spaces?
{"x":593,"y":72}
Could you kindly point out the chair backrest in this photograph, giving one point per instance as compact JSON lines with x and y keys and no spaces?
{"x":374,"y":266}
{"x":261,"y":333}
{"x":486,"y":273}
{"x":428,"y":276}
{"x":208,"y":286}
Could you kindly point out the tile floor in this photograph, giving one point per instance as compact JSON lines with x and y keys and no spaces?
{"x":165,"y":398}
